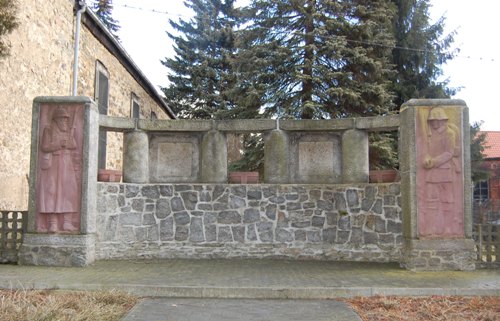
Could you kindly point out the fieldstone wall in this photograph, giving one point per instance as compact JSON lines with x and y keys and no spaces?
{"x":325,"y":222}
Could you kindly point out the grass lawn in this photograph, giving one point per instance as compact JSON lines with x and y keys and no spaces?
{"x":50,"y":305}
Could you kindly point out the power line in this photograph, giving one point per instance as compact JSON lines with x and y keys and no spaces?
{"x":320,"y":36}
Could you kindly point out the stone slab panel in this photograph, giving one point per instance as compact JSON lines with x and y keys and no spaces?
{"x":174,"y":158}
{"x":315,"y":158}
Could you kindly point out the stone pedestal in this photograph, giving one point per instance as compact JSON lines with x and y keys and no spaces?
{"x":435,"y":181}
{"x":63,"y":183}
{"x":57,"y":250}
{"x":438,"y":255}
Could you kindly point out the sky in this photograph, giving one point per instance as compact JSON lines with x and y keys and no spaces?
{"x":475,"y":70}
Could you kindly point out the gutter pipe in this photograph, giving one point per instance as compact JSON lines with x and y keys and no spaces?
{"x":77,"y":45}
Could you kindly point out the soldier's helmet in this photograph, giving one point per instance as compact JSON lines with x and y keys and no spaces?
{"x":437,"y":113}
{"x":60,"y":112}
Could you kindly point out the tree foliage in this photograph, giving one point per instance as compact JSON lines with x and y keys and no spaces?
{"x":104,"y":10}
{"x":306,"y":59}
{"x":421,"y":49}
{"x":8,"y":22}
{"x":203,"y":80}
{"x":316,"y":59}
{"x":477,"y":147}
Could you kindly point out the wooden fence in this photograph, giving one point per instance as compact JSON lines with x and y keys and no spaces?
{"x":12,"y":229}
{"x":487,"y":237}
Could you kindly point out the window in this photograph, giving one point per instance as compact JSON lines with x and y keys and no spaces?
{"x":101,"y":96}
{"x":153,"y":116}
{"x":135,"y":107}
{"x":481,"y":191}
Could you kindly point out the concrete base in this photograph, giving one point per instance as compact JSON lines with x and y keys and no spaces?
{"x":57,"y":250}
{"x":439,"y":255}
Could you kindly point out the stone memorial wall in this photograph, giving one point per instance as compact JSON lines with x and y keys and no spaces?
{"x":315,"y":201}
{"x":359,"y":222}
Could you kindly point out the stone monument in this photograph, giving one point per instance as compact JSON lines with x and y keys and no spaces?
{"x":61,"y":218}
{"x":435,"y":167}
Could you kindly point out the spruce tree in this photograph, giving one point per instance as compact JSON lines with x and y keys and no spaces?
{"x":421,"y":49}
{"x":202,"y":77}
{"x":104,"y":9}
{"x":319,"y":59}
{"x":8,"y":22}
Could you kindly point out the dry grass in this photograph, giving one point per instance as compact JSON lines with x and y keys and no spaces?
{"x":438,"y":308}
{"x":64,"y":305}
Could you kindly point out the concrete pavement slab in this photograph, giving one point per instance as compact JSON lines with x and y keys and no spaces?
{"x":251,"y":279}
{"x":240,"y":310}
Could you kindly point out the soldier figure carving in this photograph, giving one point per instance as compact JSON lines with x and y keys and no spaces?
{"x":442,"y":165}
{"x":58,"y":181}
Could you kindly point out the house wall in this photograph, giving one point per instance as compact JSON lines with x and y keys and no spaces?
{"x":40,"y":64}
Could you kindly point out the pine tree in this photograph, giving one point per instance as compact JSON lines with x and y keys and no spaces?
{"x":202,"y":76}
{"x":104,"y":9}
{"x":319,"y":59}
{"x":8,"y":22}
{"x":421,"y":49}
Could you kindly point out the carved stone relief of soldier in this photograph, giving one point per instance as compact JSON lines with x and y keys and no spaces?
{"x":59,"y":171}
{"x":439,"y":175}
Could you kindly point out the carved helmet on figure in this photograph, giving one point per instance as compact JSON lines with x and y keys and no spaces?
{"x":60,"y":112}
{"x":437,"y":113}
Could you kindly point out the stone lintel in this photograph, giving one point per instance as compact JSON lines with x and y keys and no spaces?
{"x":246,"y":125}
{"x":178,"y":125}
{"x":116,"y":124}
{"x":379,"y":123}
{"x":317,"y":125}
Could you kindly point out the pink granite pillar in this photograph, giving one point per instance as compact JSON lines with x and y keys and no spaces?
{"x":435,"y":182}
{"x":63,"y":183}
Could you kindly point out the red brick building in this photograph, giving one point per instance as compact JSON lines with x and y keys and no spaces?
{"x":487,"y":192}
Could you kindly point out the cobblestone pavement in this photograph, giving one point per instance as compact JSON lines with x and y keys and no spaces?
{"x":240,"y":310}
{"x":251,"y":279}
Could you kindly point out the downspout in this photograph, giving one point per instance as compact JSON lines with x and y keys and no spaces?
{"x":77,"y":45}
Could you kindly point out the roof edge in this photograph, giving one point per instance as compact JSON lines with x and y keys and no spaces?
{"x":99,"y":30}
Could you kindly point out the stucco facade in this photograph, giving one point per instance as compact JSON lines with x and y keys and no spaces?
{"x":41,"y":64}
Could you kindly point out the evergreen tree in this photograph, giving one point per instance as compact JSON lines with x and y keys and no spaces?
{"x":203,"y":80}
{"x":8,"y":22}
{"x":421,"y":49}
{"x":317,"y":59}
{"x":477,"y":146}
{"x":104,"y":9}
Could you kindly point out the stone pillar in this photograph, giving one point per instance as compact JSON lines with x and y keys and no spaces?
{"x":435,"y":184}
{"x":63,"y":183}
{"x":276,"y":158}
{"x":355,"y":162}
{"x":214,"y":157}
{"x":135,"y":157}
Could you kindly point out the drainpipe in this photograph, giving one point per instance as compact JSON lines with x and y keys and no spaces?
{"x":77,"y":44}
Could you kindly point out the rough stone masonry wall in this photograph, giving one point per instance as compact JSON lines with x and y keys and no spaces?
{"x":324,"y":222}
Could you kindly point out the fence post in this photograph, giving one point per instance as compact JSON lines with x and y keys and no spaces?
{"x":63,"y":183}
{"x":435,"y":181}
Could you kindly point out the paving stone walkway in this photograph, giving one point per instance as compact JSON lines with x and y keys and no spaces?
{"x":251,"y":279}
{"x":211,"y":286}
{"x":159,"y":309}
